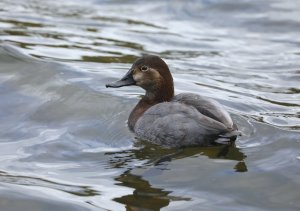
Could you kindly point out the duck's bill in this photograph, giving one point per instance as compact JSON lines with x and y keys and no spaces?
{"x":120,"y":83}
{"x":127,"y":80}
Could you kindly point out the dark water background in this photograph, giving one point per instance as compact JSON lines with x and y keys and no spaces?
{"x":64,"y":144}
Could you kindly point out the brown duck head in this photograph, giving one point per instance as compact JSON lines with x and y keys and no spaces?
{"x":153,"y":75}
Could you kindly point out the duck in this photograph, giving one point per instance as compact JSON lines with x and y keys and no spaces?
{"x":169,"y":120}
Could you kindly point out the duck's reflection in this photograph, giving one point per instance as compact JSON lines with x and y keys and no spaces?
{"x":155,"y":160}
{"x":144,"y":196}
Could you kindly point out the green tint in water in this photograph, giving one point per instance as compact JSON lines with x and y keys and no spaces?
{"x":109,"y":59}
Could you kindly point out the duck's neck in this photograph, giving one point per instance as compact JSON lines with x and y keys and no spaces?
{"x":152,"y":97}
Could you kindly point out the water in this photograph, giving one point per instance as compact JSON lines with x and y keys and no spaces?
{"x":64,"y":144}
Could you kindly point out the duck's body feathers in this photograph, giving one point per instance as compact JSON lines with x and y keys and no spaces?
{"x":207,"y":107}
{"x":183,"y":122}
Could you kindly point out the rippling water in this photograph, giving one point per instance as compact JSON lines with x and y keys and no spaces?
{"x":64,"y":144}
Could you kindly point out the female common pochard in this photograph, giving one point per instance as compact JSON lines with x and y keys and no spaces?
{"x":172,"y":121}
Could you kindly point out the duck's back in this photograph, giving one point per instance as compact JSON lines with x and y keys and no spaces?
{"x":206,"y":106}
{"x":187,"y":120}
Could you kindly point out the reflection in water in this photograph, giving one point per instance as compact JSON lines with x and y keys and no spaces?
{"x":109,"y":59}
{"x":145,"y":196}
{"x":34,"y":181}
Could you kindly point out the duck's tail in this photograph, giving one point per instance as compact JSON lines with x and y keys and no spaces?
{"x":231,"y":134}
{"x":228,"y":137}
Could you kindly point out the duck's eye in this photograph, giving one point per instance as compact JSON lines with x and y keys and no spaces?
{"x":144,"y":68}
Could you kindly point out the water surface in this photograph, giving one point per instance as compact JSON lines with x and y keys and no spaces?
{"x":64,"y":143}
